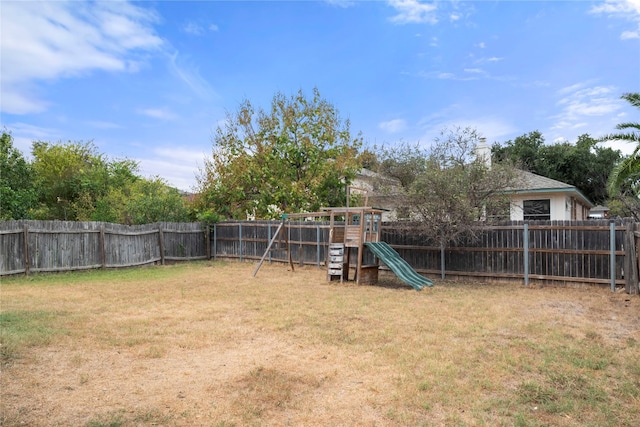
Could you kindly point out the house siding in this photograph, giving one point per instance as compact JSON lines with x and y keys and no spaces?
{"x":561,"y":208}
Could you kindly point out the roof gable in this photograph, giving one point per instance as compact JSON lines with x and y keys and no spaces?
{"x":530,"y":181}
{"x":527,"y":182}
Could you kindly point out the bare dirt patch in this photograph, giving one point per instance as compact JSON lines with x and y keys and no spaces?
{"x":208,"y":344}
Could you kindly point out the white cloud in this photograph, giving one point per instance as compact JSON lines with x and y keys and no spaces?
{"x":193,"y":29}
{"x":52,"y":40}
{"x":413,"y":12}
{"x":19,"y":99}
{"x":196,"y":29}
{"x":190,"y":75}
{"x":177,"y":165}
{"x":618,"y":7}
{"x":493,"y":128}
{"x":482,"y":45}
{"x":158,"y":113}
{"x":579,"y":101}
{"x":444,"y":75}
{"x":489,"y":59}
{"x":341,"y":3}
{"x":393,"y":126}
{"x":627,"y":35}
{"x":585,"y":108}
{"x":624,"y":9}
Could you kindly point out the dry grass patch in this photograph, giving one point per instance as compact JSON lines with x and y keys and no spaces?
{"x":264,"y":391}
{"x":208,"y":344}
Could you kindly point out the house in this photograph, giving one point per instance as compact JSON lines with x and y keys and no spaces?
{"x":381,"y":192}
{"x":536,"y":197}
{"x":532,"y":197}
{"x":599,"y":212}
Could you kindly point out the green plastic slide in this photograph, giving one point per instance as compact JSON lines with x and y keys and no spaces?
{"x":400,"y":267}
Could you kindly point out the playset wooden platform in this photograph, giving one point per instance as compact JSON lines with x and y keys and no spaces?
{"x":352,"y":231}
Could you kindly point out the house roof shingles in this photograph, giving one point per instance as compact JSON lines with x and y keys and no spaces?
{"x":528,"y":182}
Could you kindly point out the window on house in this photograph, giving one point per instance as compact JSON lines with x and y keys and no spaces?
{"x":537,"y":209}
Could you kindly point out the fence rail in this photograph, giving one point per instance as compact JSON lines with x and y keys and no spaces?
{"x":591,"y":252}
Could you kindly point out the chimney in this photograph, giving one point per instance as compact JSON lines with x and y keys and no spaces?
{"x":483,"y":152}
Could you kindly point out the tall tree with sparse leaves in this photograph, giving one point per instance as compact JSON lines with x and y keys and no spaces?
{"x":449,"y":190}
{"x":296,"y":157}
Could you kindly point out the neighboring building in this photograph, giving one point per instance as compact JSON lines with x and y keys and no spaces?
{"x":533,"y":197}
{"x":599,"y":212}
{"x":382,"y":192}
{"x":537,"y":197}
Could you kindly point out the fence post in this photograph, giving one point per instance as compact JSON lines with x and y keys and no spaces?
{"x":525,"y":247}
{"x":612,"y":257}
{"x":630,"y":263}
{"x":103,"y":249}
{"x":26,"y":250}
{"x":240,"y":240}
{"x":161,"y":243}
{"x":207,"y":241}
{"x":442,"y":262}
{"x":318,"y":244}
{"x":215,"y":242}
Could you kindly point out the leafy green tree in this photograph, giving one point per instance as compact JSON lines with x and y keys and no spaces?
{"x":67,"y":175}
{"x":145,"y":201}
{"x":72,"y":181}
{"x":17,"y":189}
{"x":625,"y":177}
{"x":77,"y":183}
{"x":296,"y":157}
{"x":73,"y":177}
{"x":523,"y":151}
{"x":583,"y":164}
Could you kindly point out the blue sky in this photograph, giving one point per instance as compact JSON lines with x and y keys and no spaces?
{"x":151,"y":80}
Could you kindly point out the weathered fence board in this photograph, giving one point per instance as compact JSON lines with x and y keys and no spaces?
{"x":43,"y":246}
{"x":579,"y":252}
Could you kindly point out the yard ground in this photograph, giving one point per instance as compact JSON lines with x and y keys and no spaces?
{"x":206,"y":344}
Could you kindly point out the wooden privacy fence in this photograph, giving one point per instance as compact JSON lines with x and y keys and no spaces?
{"x":592,"y":252}
{"x":42,"y":246}
{"x":248,"y":240}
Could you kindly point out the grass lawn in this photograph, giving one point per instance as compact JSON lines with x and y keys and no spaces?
{"x":208,"y":344}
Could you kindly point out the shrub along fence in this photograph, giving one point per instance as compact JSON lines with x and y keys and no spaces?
{"x":590,"y":252}
{"x":41,"y":246}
